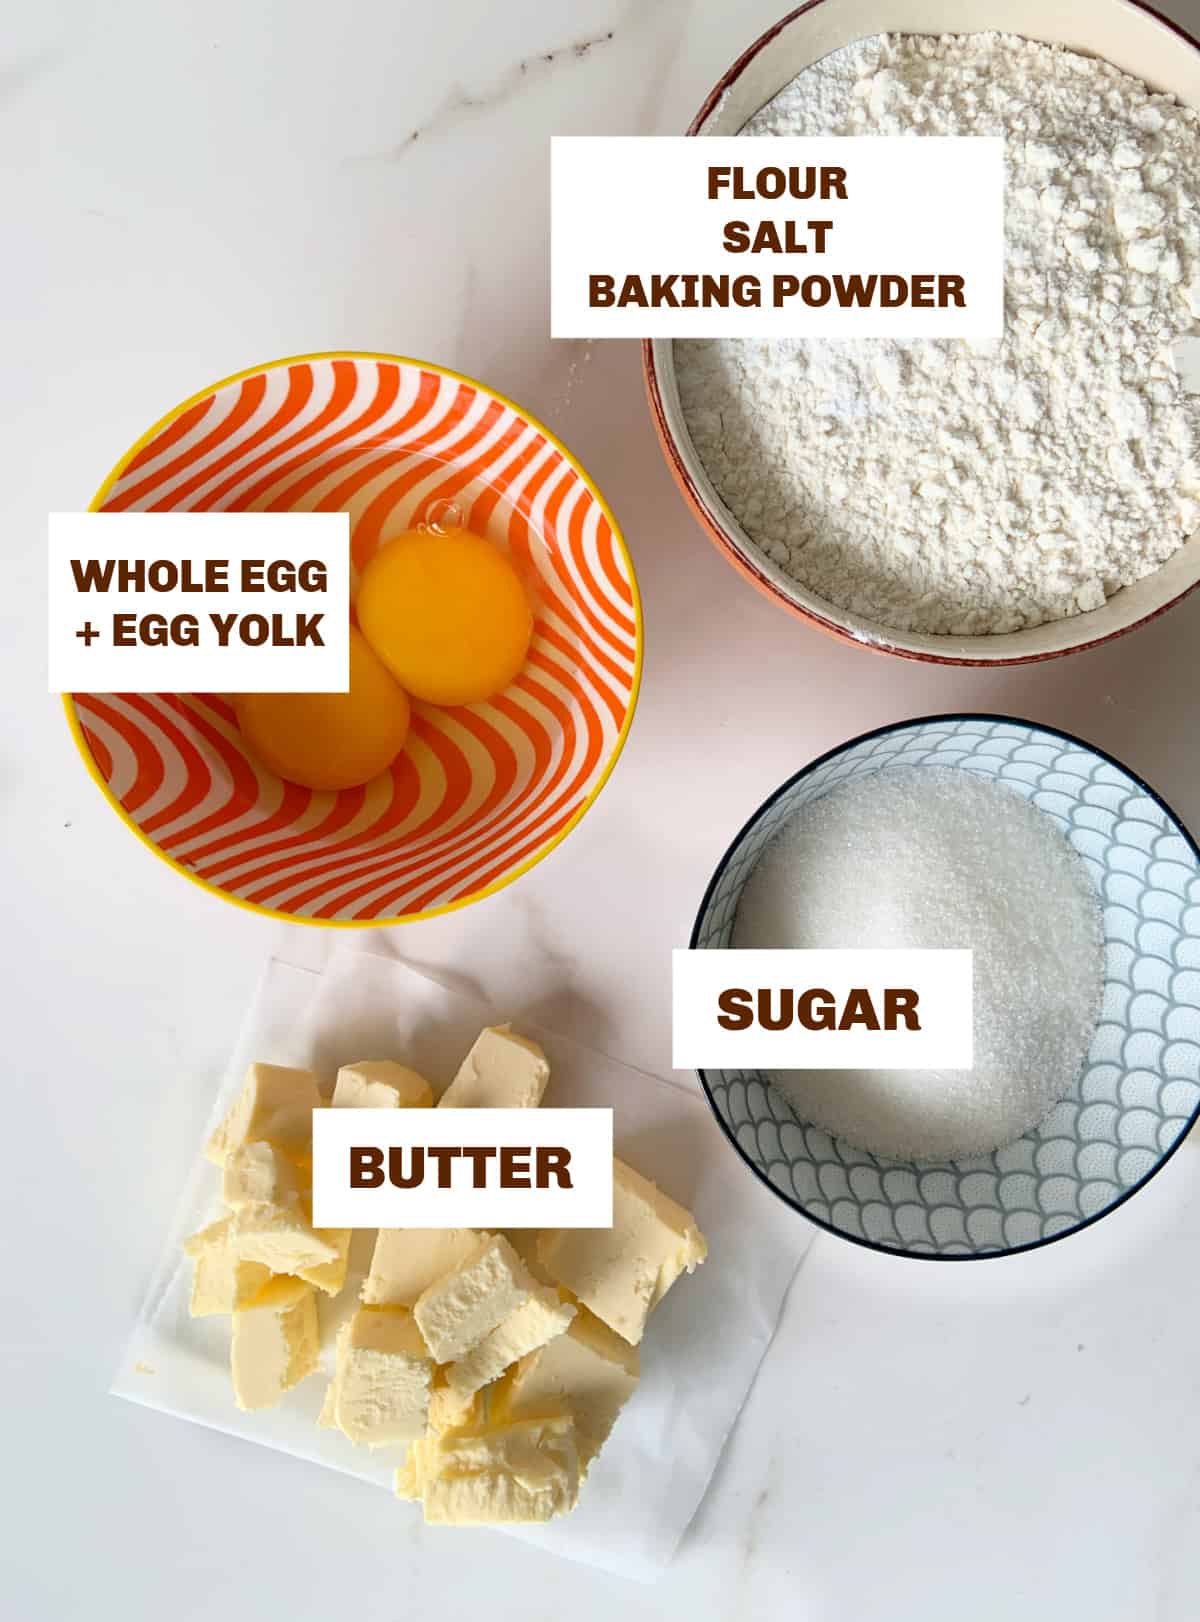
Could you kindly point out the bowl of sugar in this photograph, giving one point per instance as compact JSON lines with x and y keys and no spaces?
{"x":981,"y":503}
{"x":1078,"y":891}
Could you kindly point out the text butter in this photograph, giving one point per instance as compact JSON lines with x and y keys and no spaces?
{"x":454,"y":1168}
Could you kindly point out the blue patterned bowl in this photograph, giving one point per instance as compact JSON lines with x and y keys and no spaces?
{"x":1139,"y":1091}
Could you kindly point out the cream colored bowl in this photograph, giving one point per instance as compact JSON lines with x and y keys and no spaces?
{"x":1129,"y":35}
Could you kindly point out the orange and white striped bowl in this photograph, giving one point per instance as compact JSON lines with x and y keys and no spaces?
{"x":481,"y":792}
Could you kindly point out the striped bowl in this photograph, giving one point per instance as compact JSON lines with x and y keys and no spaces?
{"x":481,"y":792}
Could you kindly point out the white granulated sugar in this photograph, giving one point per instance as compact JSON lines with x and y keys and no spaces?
{"x":954,"y":487}
{"x":935,"y":857}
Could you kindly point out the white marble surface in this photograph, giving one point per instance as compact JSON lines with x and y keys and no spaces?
{"x":189,"y":189}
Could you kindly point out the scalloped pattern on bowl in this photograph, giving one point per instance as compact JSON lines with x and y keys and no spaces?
{"x":1139,"y":1090}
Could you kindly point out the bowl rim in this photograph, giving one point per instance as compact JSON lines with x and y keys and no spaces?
{"x":731,"y":850}
{"x":726,"y":543}
{"x":93,"y":768}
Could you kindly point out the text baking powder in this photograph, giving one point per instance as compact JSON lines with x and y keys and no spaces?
{"x":956,"y":487}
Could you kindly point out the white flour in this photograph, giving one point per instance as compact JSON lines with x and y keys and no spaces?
{"x":945,"y":486}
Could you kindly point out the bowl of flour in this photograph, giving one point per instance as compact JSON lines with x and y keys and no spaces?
{"x":1078,"y":892}
{"x":974,"y":502}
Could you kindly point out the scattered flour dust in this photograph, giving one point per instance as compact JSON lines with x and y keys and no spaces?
{"x":932,"y":856}
{"x":957,"y":487}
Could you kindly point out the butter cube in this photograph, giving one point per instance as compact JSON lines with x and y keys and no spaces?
{"x":408,"y":1474}
{"x":221,"y":1281}
{"x":523,"y":1472}
{"x":381,"y":1387}
{"x":525,"y":1242}
{"x":459,"y":1309}
{"x":540,"y":1318}
{"x":590,"y":1372}
{"x":502,"y":1071}
{"x":258,"y":1174}
{"x":408,"y":1260}
{"x":623,"y":1272}
{"x":282,"y":1238}
{"x":449,"y":1409}
{"x":276,"y":1105}
{"x":330,"y":1277}
{"x":275,"y":1342}
{"x":380,"y":1084}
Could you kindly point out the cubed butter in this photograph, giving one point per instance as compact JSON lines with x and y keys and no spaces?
{"x":330,"y":1277}
{"x":525,"y":1242}
{"x":590,"y":1372}
{"x":539,"y":1318}
{"x":275,"y":1105}
{"x":464,"y":1305}
{"x":409,"y":1474}
{"x":623,"y":1272}
{"x":527,"y":1471}
{"x":380,"y":1084}
{"x":408,"y":1260}
{"x":282,"y":1238}
{"x":327,"y":1418}
{"x":502,"y":1071}
{"x":381,"y":1386}
{"x":222,"y":1280}
{"x":258,"y":1174}
{"x":449,"y":1409}
{"x":275,"y":1342}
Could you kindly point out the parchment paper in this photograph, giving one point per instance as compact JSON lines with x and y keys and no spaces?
{"x":702,"y":1347}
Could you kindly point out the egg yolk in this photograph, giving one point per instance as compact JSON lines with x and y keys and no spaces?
{"x":329,"y":740}
{"x":447,"y":613}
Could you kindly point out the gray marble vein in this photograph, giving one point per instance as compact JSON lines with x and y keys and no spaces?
{"x":461,"y":103}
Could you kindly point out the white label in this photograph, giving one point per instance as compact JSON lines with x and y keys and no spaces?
{"x":464,"y":1168}
{"x":834,"y":1010}
{"x":199,"y":602}
{"x":899,"y":238}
